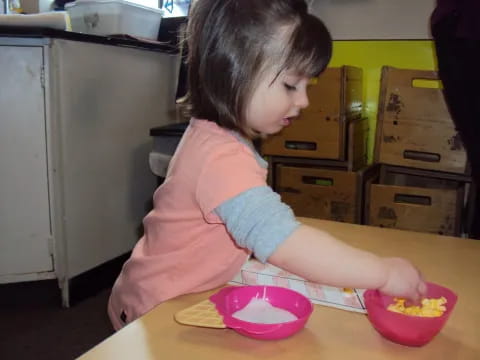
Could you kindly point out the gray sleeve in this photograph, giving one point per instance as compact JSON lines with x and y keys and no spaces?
{"x":258,"y":220}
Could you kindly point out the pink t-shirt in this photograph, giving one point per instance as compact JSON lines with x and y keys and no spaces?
{"x":186,"y":247}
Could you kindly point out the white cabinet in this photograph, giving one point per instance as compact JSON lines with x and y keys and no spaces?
{"x":74,"y":144}
{"x":25,"y":229}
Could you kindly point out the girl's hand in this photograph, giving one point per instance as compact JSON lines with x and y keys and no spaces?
{"x":403,"y":280}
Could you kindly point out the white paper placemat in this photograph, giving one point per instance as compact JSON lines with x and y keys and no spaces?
{"x":256,"y":273}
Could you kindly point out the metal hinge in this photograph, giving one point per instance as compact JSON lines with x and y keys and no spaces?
{"x":42,"y":77}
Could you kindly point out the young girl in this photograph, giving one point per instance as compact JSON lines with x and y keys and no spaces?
{"x":249,"y":65}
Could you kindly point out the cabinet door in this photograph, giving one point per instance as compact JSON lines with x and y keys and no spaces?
{"x":24,"y":201}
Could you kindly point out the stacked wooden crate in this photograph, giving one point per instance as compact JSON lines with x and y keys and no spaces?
{"x":422,"y":173}
{"x":316,"y":163}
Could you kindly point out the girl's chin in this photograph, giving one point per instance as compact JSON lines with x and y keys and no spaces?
{"x":263,"y":133}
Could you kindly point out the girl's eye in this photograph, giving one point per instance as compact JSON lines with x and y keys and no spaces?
{"x":289,"y":87}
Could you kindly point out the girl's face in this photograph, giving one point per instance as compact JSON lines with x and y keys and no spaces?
{"x":274,"y":105}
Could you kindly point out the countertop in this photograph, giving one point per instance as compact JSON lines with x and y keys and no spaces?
{"x":120,"y":40}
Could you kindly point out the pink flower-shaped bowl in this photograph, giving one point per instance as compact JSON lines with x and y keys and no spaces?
{"x":405,"y":329}
{"x":234,"y":298}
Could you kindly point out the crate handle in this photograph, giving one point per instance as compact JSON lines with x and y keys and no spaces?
{"x":300,"y":145}
{"x":289,"y":190}
{"x":422,"y":156}
{"x":413,"y":199}
{"x":427,"y":83}
{"x":315,"y":180}
{"x":421,"y":75}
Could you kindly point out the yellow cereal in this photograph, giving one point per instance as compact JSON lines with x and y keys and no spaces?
{"x":429,"y":307}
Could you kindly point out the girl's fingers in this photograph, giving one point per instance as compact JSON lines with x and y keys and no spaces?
{"x":422,"y":288}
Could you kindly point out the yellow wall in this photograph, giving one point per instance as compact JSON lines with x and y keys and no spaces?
{"x":371,"y":56}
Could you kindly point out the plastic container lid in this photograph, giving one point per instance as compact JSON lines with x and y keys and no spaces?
{"x":122,"y":2}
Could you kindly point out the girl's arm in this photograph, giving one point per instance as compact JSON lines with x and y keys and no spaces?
{"x":319,"y":257}
{"x":260,"y":222}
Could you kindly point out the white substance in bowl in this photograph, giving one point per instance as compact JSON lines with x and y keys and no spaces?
{"x":260,"y":311}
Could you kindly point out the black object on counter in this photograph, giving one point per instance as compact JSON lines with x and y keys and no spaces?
{"x":169,"y":130}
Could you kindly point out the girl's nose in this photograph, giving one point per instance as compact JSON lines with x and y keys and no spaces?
{"x":301,"y":100}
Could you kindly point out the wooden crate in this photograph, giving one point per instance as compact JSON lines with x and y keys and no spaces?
{"x":404,"y":199}
{"x":356,"y":150}
{"x":414,"y":127}
{"x":321,"y":130}
{"x":324,"y":193}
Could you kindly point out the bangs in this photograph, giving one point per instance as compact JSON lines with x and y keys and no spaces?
{"x":309,"y":49}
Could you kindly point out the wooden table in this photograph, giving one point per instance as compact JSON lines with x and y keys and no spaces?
{"x":330,"y":333}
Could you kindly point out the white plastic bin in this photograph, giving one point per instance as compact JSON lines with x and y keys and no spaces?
{"x":165,"y":142}
{"x":110,"y":17}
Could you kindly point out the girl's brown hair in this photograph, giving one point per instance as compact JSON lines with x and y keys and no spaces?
{"x":230,"y":43}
